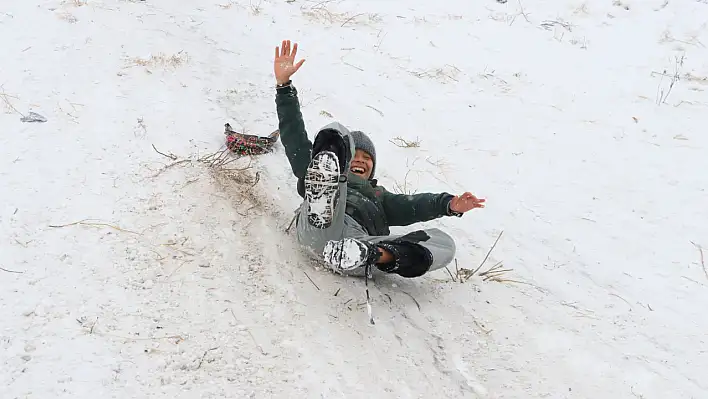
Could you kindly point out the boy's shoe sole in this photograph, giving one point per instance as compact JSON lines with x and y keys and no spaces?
{"x":322,"y":188}
{"x":346,"y":254}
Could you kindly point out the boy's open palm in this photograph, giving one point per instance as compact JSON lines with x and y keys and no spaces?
{"x":466,"y":202}
{"x":284,"y":64}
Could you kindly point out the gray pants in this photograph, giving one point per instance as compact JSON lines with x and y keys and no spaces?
{"x":440,"y":244}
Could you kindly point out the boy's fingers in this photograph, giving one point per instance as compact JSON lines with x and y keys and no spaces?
{"x":294,"y":50}
{"x":277,"y":52}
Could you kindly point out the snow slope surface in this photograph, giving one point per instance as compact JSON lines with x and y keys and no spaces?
{"x":132,"y":273}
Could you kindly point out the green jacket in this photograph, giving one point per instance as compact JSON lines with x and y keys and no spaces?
{"x":371,"y":205}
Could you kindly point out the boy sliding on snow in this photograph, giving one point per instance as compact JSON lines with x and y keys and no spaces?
{"x":345,"y":215}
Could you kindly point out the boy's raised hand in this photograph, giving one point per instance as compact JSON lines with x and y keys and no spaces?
{"x":466,"y":202}
{"x":284,"y":64}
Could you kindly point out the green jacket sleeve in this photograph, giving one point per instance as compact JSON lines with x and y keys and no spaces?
{"x":402,"y":209}
{"x":293,"y":135}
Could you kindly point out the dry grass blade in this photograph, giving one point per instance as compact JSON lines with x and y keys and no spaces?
{"x":661,"y":93}
{"x":508,"y":280}
{"x":411,"y":296}
{"x":481,"y":327}
{"x":703,"y":264}
{"x":489,"y":252}
{"x":351,"y":18}
{"x":548,"y":25}
{"x":7,"y":102}
{"x":204,"y":355}
{"x":492,"y":270}
{"x":162,"y":170}
{"x":177,"y":338}
{"x":375,"y":109}
{"x":292,"y":222}
{"x":170,"y":156}
{"x":495,"y":277}
{"x":10,"y":271}
{"x":86,"y":222}
{"x":313,"y":283}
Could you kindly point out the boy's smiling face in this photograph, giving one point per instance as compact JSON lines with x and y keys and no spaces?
{"x":362,"y":164}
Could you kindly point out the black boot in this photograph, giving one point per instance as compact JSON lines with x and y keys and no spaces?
{"x":410,"y":258}
{"x":331,"y":140}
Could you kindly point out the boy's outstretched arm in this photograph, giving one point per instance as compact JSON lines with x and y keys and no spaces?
{"x":292,"y":127}
{"x":292,"y":130}
{"x":403,"y":210}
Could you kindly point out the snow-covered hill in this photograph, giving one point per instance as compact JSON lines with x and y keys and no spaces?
{"x":130,"y":273}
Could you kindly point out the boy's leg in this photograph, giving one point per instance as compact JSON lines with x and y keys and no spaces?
{"x":322,"y":213}
{"x":415,"y":253}
{"x":314,"y":238}
{"x":438,"y":244}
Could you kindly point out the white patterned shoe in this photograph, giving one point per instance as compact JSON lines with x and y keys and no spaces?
{"x":348,"y":254}
{"x":322,"y":188}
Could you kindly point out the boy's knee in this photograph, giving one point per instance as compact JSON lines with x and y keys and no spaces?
{"x":444,"y":248}
{"x":444,"y":239}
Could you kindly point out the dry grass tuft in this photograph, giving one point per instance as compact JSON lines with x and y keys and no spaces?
{"x":161,"y":60}
{"x":9,"y":108}
{"x":67,"y":16}
{"x":662,"y":93}
{"x":496,"y":80}
{"x":322,"y":14}
{"x":256,"y":9}
{"x":404,"y":187}
{"x":582,"y":9}
{"x":668,"y":37}
{"x":228,"y":5}
{"x":496,"y":273}
{"x":444,"y":74}
{"x":403,"y":143}
{"x":582,"y":43}
{"x":237,"y":181}
{"x":619,"y":3}
{"x":689,"y":77}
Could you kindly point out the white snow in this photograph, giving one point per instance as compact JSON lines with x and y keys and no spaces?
{"x":183,"y":283}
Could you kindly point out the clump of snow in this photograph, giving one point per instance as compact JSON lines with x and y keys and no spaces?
{"x":581,"y":123}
